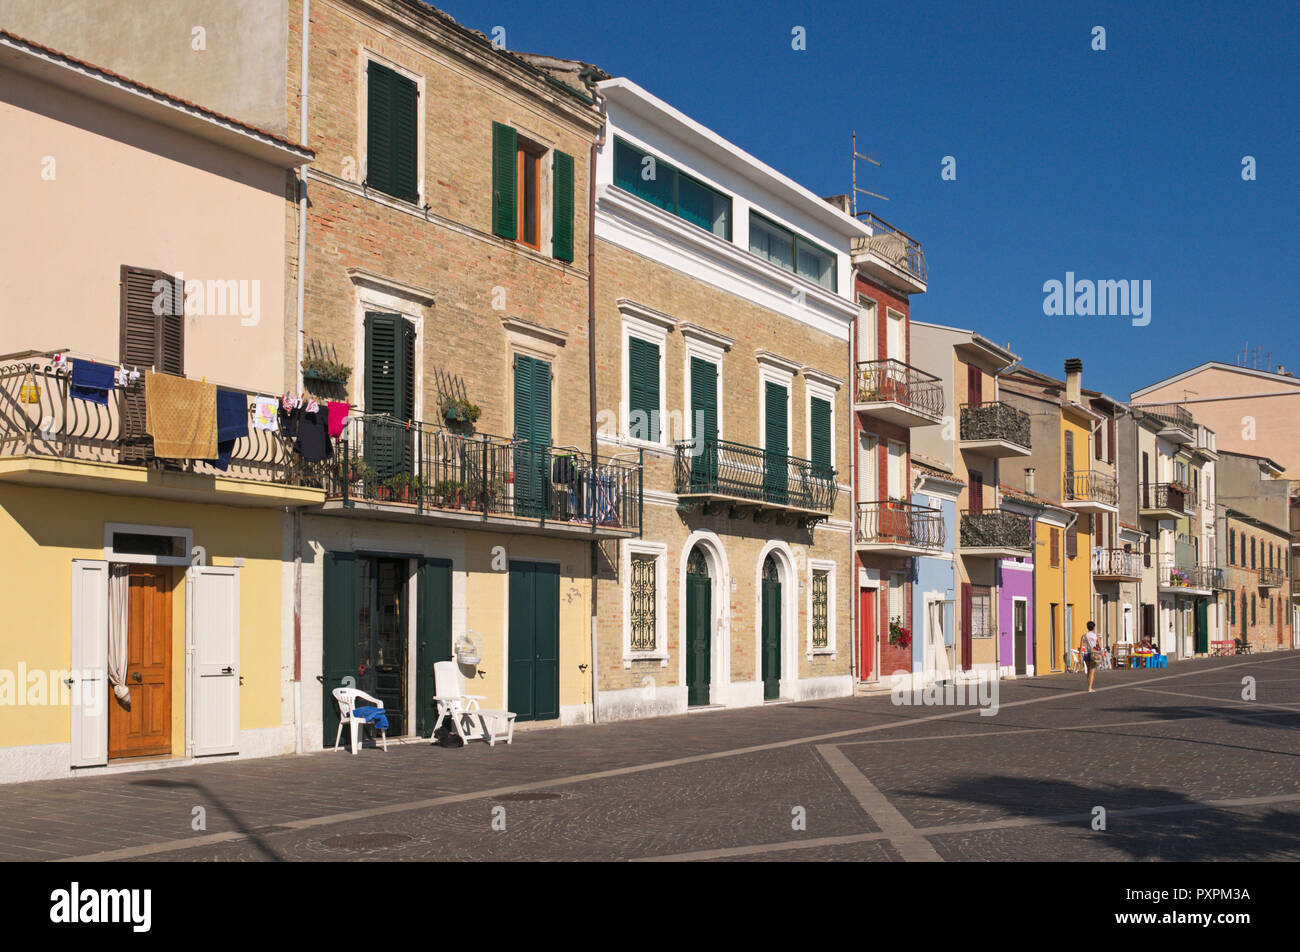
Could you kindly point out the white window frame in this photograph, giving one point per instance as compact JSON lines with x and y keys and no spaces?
{"x":895,"y":318}
{"x":868,"y":331}
{"x":169,"y":531}
{"x":658,"y":551}
{"x":831,"y":650}
{"x":821,"y":392}
{"x":870,"y":472}
{"x":367,"y":57}
{"x":653,"y":328}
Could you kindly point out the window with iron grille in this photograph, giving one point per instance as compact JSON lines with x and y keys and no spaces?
{"x":981,"y":605}
{"x":820,"y":608}
{"x":643,"y":603}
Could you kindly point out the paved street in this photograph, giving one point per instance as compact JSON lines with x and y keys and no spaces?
{"x":1183,"y":767}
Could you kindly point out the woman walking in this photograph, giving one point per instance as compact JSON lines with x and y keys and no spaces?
{"x":1090,"y":648}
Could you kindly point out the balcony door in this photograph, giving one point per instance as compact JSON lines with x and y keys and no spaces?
{"x":532,"y":398}
{"x":699,"y":627}
{"x":389,"y":390}
{"x":771,"y":642}
{"x":868,"y":485}
{"x":704,"y":424}
{"x":776,"y":445}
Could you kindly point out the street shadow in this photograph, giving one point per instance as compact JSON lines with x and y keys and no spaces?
{"x":204,"y":798}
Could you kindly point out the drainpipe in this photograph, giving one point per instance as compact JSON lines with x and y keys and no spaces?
{"x":598,"y":144}
{"x":1065,"y":582}
{"x":297,"y":365}
{"x":854,"y":584}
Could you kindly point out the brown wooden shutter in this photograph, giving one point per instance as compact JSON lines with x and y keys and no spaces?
{"x":1072,"y":541}
{"x":975,"y":491}
{"x":966,"y":647}
{"x":1056,"y":548}
{"x":151,"y":340}
{"x":1110,"y":443}
{"x":974,"y":384}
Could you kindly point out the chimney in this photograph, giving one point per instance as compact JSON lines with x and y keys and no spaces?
{"x":1073,"y":379}
{"x":842,"y":202}
{"x":1029,"y":480}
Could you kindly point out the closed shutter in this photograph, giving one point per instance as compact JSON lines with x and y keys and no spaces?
{"x":532,"y":400}
{"x":776,"y":443}
{"x":1056,"y":547}
{"x":152,"y":321}
{"x":975,"y":491}
{"x":966,"y":625}
{"x":391,"y":122}
{"x":389,"y":390}
{"x":643,"y":389}
{"x":704,"y":423}
{"x":562,"y":206}
{"x":974,"y":384}
{"x":504,"y":146}
{"x":820,"y":438}
{"x":1072,"y":541}
{"x":341,"y":584}
{"x":1069,"y":464}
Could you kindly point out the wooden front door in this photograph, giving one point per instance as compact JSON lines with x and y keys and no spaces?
{"x":534,"y":641}
{"x":433,"y":637}
{"x":1021,"y":640}
{"x":771,"y":643}
{"x":142,"y":727}
{"x":699,"y":615}
{"x":1202,"y":626}
{"x":866,"y":633}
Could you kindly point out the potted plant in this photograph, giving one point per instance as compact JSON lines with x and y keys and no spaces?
{"x":898,"y":635}
{"x":448,"y":493}
{"x":460,"y":410}
{"x":325,"y":371}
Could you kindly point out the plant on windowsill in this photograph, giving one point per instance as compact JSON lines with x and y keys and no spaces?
{"x":460,"y":410}
{"x":899,"y":636}
{"x":1179,"y":579}
{"x":325,"y":371}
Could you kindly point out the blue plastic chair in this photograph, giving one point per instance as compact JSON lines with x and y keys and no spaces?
{"x":1161,"y":661}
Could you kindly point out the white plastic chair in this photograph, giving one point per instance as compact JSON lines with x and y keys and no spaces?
{"x":461,"y":710}
{"x":347,"y":701}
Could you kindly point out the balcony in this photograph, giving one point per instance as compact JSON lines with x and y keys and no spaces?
{"x":898,"y":393}
{"x":1116,"y":565}
{"x":1188,"y":578}
{"x":891,"y":256}
{"x":718,"y":475}
{"x":995,"y":534}
{"x":1165,"y":501}
{"x":1271,"y":578}
{"x":1176,"y":424}
{"x":1091,"y":491}
{"x":50,"y":438}
{"x":898,"y":529}
{"x":388,"y":469}
{"x":994,"y":428}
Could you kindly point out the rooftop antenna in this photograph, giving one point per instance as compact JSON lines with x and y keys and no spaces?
{"x":853,"y":196}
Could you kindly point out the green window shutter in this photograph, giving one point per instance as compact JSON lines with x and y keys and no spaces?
{"x":643,"y":389}
{"x":392,"y":117}
{"x":532,"y":400}
{"x":562,"y":207}
{"x":775,"y":397}
{"x":704,"y":399}
{"x":389,"y":389}
{"x":339,"y":633}
{"x":505,"y":145}
{"x":821,"y":435}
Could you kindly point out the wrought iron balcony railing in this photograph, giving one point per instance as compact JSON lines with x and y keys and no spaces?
{"x":1165,"y":496}
{"x":1271,"y":578}
{"x":1116,"y":563}
{"x":899,"y":523}
{"x":894,"y":246}
{"x":892,"y":381}
{"x":1090,"y":486}
{"x":40,"y":417}
{"x":1175,"y":573}
{"x":382,"y":460}
{"x":995,"y":420}
{"x":752,"y":474}
{"x":995,"y":528}
{"x":1171,"y":415}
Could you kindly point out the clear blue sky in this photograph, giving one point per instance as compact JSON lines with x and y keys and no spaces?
{"x":1122,"y":164}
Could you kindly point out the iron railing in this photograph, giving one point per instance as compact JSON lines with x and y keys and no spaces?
{"x":1165,"y":496}
{"x":887,"y":522}
{"x":995,"y":420}
{"x":1172,"y":572}
{"x":379,"y":459}
{"x":1116,"y":563}
{"x":1171,"y":415}
{"x":897,"y":247}
{"x":892,"y":381}
{"x":1271,"y":578}
{"x":995,"y":528}
{"x":40,"y":417}
{"x":1090,"y":486}
{"x":734,"y":470}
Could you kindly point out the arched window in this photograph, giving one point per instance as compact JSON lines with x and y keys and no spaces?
{"x":697,"y":564}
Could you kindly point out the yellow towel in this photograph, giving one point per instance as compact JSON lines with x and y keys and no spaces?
{"x":181,"y":416}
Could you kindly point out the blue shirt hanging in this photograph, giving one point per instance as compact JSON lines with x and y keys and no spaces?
{"x":91,"y":381}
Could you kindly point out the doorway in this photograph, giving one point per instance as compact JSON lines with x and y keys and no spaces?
{"x":1020,"y":621}
{"x":771,"y":622}
{"x":141,"y":726}
{"x":866,"y":633}
{"x":382,"y":640}
{"x":534,"y":641}
{"x":699,"y":614}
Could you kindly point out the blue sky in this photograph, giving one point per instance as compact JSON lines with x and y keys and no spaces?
{"x":1116,"y":164}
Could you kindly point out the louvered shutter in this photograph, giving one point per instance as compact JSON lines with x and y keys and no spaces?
{"x":405,"y":148}
{"x":704,"y":422}
{"x":390,"y":390}
{"x":820,"y":438}
{"x":643,"y":389}
{"x":504,"y":146}
{"x":533,"y":433}
{"x":776,"y":443}
{"x":152,"y":321}
{"x":562,"y":207}
{"x":1056,"y":548}
{"x":392,"y":105}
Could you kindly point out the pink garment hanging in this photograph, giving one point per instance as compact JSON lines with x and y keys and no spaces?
{"x":338,"y":415}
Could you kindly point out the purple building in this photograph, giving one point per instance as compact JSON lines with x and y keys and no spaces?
{"x":1015,"y":616}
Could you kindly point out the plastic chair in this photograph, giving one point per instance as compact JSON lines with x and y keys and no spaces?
{"x":346,"y":699}
{"x":462,"y":712}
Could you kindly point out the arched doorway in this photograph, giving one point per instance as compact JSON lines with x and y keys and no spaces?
{"x":771,"y":626}
{"x":699,"y":627}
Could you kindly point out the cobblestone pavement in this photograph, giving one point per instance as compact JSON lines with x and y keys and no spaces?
{"x":1182,"y":767}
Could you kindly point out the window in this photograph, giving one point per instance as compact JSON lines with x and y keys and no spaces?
{"x":1270,"y":610}
{"x":390,"y":389}
{"x":650,"y":178}
{"x":1252,"y":552}
{"x":1232,"y":546}
{"x":981,"y":606}
{"x":785,"y":249}
{"x":1146,"y":552}
{"x":152,"y":322}
{"x":897,"y":470}
{"x":1232,"y":611}
{"x":643,"y":390}
{"x":644,"y":589}
{"x":897,"y":602}
{"x":1254,"y":603}
{"x":819,"y":436}
{"x":1072,"y":542}
{"x":392,"y":150}
{"x":517,"y":210}
{"x":820,"y":608}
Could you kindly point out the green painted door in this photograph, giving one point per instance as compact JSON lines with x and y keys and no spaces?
{"x":776,"y":447}
{"x":699,"y":614}
{"x":534,"y":641}
{"x":704,"y":424}
{"x":433,"y":637}
{"x":339,"y":631}
{"x":533,"y":435}
{"x":1202,"y":626}
{"x":771,"y":622}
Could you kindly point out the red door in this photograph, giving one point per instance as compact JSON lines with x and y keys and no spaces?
{"x":867,"y":639}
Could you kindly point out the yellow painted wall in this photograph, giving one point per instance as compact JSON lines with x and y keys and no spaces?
{"x":42,"y":530}
{"x":1078,"y":569}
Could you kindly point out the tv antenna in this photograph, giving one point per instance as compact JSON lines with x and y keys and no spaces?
{"x":853,"y":196}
